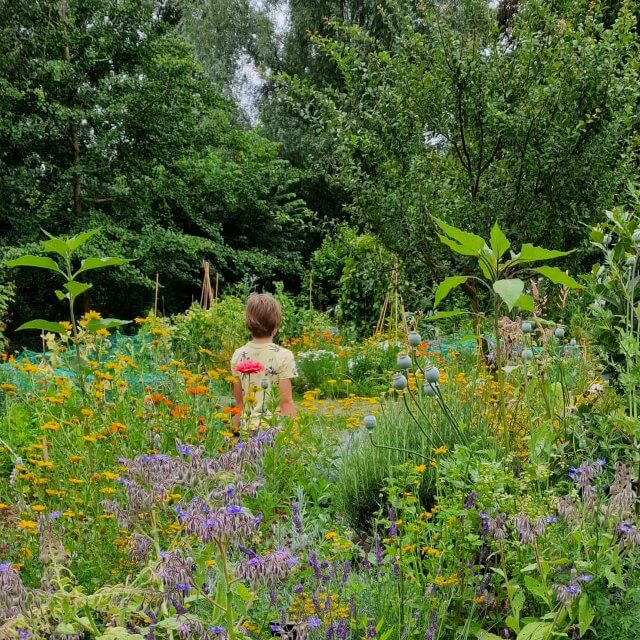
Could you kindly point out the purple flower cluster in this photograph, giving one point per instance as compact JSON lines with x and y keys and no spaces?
{"x":494,"y":526}
{"x":583,"y":477}
{"x":268,"y":569}
{"x":190,"y":627}
{"x":224,"y":525}
{"x":176,"y":575}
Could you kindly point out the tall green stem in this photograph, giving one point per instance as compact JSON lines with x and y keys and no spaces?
{"x":500,"y":375}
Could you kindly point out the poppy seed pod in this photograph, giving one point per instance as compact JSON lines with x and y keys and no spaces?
{"x":403,"y":361}
{"x":573,"y":342}
{"x":559,"y":333}
{"x":414,"y":339}
{"x":630,"y":261}
{"x":607,"y":239}
{"x":370,"y":422}
{"x":265,"y":384}
{"x":526,"y":327}
{"x":526,"y":354}
{"x":432,"y":375}
{"x":399,"y":382}
{"x":430,"y":390}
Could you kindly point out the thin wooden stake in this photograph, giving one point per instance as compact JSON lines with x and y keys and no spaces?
{"x":155,"y":300}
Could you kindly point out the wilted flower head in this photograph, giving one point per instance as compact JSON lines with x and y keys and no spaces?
{"x":621,"y":492}
{"x":12,"y":592}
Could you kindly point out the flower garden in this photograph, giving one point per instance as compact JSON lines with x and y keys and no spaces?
{"x":421,"y":492}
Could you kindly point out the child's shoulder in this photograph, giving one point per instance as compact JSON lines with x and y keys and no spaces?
{"x":240,"y":353}
{"x":280,"y":350}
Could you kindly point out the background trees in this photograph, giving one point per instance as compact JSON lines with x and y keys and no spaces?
{"x":108,"y":121}
{"x":476,"y":113}
{"x":371,"y":114}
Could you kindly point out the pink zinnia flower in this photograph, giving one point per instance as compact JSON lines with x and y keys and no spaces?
{"x":249,"y":366}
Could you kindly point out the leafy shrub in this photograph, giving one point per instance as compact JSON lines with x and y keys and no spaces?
{"x":218,"y":330}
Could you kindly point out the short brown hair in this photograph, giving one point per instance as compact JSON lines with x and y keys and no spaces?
{"x":263,"y":315}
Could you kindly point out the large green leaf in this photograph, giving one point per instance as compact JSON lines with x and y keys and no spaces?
{"x":499,"y":242}
{"x":100,"y":263}
{"x":531,"y":253}
{"x":557,"y":276}
{"x":43,"y":325}
{"x":77,"y":241}
{"x":76,"y":288}
{"x":526,"y":303}
{"x":105,"y":323}
{"x":536,"y":631}
{"x":509,"y":290}
{"x":458,"y":248}
{"x":586,"y":614}
{"x":470,"y":242}
{"x":40,"y":262}
{"x":446,"y":286}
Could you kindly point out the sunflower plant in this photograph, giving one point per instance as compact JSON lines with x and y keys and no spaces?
{"x":64,"y":264}
{"x":502,"y":276}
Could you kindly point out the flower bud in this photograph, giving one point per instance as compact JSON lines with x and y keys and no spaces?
{"x":264,"y":384}
{"x":399,"y":382}
{"x":559,"y":333}
{"x":430,"y":390}
{"x":636,"y":237}
{"x":414,"y":339}
{"x":432,"y":375}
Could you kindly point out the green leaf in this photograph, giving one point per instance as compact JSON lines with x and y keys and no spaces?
{"x":105,"y":323}
{"x":76,"y":288}
{"x":120,"y":633}
{"x":99,"y":263}
{"x":469,"y":241}
{"x":557,"y":276}
{"x":66,"y":628}
{"x":526,"y":303}
{"x":446,"y":286}
{"x":458,"y":248}
{"x":55,"y":245}
{"x":43,"y":325}
{"x":536,"y":588}
{"x":530,"y":253}
{"x":509,"y":290}
{"x":487,"y":635}
{"x":535,"y":631}
{"x":40,"y":262}
{"x":441,"y":315}
{"x":499,"y":242}
{"x":77,"y":241}
{"x":586,"y":614}
{"x":61,"y":295}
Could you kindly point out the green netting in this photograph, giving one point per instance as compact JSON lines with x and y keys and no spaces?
{"x":134,"y":346}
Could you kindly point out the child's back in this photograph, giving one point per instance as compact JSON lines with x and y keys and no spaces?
{"x":261,"y":366}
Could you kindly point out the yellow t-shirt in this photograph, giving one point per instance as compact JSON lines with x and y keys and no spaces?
{"x":276,"y":363}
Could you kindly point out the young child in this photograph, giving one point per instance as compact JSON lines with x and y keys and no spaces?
{"x":260,"y":366}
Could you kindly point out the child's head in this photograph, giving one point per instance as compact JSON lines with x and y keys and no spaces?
{"x":263,"y":315}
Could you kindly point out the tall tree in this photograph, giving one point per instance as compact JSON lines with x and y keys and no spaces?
{"x":106,"y":119}
{"x":523,"y":114}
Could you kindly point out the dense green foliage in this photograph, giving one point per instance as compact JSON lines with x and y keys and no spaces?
{"x":107,"y":121}
{"x":470,"y":113}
